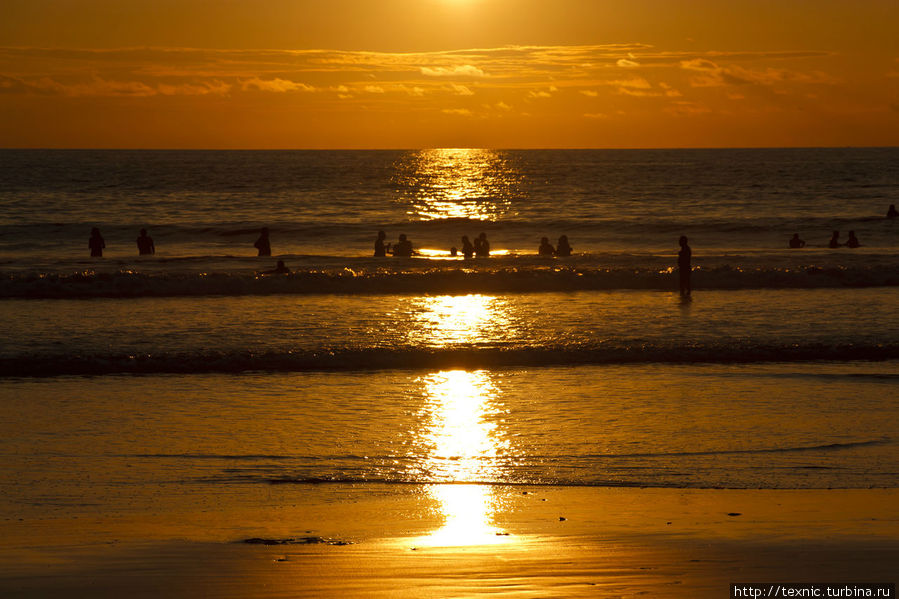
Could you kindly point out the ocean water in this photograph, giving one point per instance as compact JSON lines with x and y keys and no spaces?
{"x":128,"y":379}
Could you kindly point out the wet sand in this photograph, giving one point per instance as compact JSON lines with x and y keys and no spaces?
{"x":420,"y":541}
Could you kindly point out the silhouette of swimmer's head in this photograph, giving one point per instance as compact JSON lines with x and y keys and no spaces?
{"x":381,"y":234}
{"x":402,"y":237}
{"x":836,"y":233}
{"x":564,"y":238}
{"x":280,"y":263}
{"x":143,"y":232}
{"x":482,"y":236}
{"x":95,"y":231}
{"x":465,"y":238}
{"x":544,"y":240}
{"x":264,"y":231}
{"x":683,"y":240}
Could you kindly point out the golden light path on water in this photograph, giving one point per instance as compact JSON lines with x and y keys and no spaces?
{"x":462,"y":433}
{"x":475,"y":184}
{"x":462,"y":438}
{"x":454,"y":320}
{"x":464,"y":443}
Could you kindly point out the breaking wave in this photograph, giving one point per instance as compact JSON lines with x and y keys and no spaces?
{"x":433,"y":279}
{"x":376,"y":358}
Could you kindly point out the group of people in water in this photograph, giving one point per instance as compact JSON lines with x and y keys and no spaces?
{"x":852,"y":242}
{"x":97,"y":244}
{"x":480,"y":248}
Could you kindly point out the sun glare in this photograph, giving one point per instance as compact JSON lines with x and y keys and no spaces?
{"x":464,"y":445}
{"x":471,"y":184}
{"x":453,"y":320}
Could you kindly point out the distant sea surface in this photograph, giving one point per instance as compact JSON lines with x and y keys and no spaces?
{"x":192,"y":369}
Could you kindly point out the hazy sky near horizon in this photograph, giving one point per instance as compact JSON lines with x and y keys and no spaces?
{"x":448,"y":73}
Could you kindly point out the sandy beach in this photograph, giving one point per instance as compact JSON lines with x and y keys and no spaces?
{"x":378,"y":540}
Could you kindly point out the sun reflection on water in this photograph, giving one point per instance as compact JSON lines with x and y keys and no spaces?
{"x":464,"y":441}
{"x":448,"y":320}
{"x":476,"y":184}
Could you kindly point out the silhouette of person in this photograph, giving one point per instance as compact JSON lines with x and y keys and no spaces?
{"x":263,"y":244}
{"x":96,"y":243}
{"x":563,"y":248}
{"x":145,"y":244}
{"x":795,"y":242}
{"x":454,"y":251}
{"x":684,"y":257}
{"x":834,"y":240}
{"x":280,"y":269}
{"x":482,"y":246}
{"x":467,"y":248}
{"x":546,"y":248}
{"x":403,"y":247}
{"x":380,"y":248}
{"x":852,"y":242}
{"x":892,"y":212}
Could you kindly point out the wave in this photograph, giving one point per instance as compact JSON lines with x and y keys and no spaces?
{"x":376,"y":358}
{"x":392,"y":458}
{"x":453,"y":279}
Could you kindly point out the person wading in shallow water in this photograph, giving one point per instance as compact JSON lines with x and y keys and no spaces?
{"x":145,"y":244}
{"x":380,"y":248}
{"x":263,"y":244}
{"x":684,"y":267}
{"x":96,"y":243}
{"x":482,"y":246}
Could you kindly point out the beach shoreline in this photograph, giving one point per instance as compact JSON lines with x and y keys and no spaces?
{"x":415,"y":540}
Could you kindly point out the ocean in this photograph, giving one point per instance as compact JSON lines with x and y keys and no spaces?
{"x":128,"y":379}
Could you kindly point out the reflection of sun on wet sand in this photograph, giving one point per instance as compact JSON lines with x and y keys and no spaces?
{"x":624,"y":542}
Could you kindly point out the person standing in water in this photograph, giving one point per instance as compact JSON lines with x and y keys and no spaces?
{"x":263,"y":244}
{"x":403,"y":247}
{"x":853,"y":241}
{"x":684,"y":257}
{"x":834,"y":240}
{"x":96,"y":243}
{"x":892,"y":212}
{"x":546,"y":248}
{"x":381,"y":249}
{"x":795,"y":242}
{"x":467,"y":248}
{"x":482,"y":246}
{"x":564,"y":248}
{"x":145,"y":245}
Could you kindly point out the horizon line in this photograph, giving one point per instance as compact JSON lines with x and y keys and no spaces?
{"x":409,"y":149}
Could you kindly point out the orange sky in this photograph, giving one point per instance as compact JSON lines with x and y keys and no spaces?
{"x":448,"y":73}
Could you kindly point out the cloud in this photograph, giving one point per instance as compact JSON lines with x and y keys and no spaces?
{"x":457,"y":111}
{"x":635,"y":83}
{"x":461,"y":90}
{"x":595,"y":115}
{"x":497,"y":71}
{"x":543,"y":93}
{"x":466,"y":70}
{"x":275,"y":85}
{"x":99,"y":87}
{"x":670,"y":91}
{"x":710,"y":74}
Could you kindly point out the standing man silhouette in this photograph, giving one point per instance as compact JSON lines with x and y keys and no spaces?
{"x":263,"y":244}
{"x":96,"y":243}
{"x":684,"y":267}
{"x":145,"y":244}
